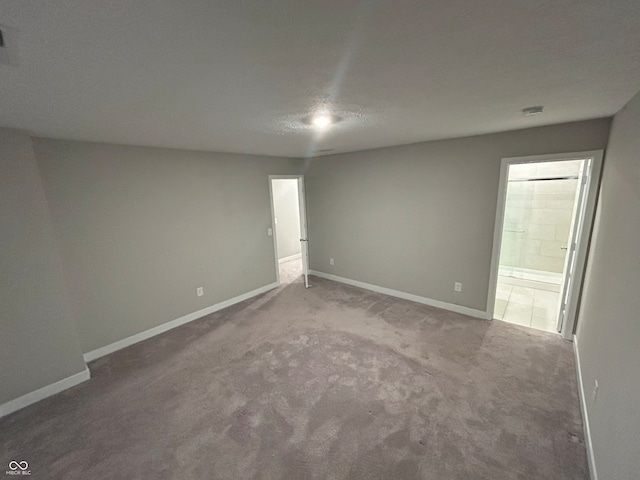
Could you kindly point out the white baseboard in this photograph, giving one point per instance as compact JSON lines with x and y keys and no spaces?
{"x":44,"y":392}
{"x":520,"y":282}
{"x":406,"y":296}
{"x":531,"y":275}
{"x":290,"y":257}
{"x":152,"y":332}
{"x":593,"y":472}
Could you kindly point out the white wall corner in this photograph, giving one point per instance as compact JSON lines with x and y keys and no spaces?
{"x":593,"y":472}
{"x":152,"y":332}
{"x":44,"y":392}
{"x":472,"y":312}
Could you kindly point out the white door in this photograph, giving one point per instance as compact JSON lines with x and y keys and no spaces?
{"x":304,"y":240}
{"x":574,"y":240}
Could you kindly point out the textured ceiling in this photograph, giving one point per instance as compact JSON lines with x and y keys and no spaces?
{"x":238,"y":75}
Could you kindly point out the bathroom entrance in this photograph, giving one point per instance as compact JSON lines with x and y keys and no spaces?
{"x":545,"y":208}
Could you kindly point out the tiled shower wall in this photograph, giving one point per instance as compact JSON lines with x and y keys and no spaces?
{"x":538,"y":216}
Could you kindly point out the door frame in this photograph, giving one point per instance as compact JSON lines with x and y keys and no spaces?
{"x":304,"y":231}
{"x":584,"y":236}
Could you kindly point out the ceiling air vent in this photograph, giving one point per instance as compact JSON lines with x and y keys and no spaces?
{"x":529,"y":111}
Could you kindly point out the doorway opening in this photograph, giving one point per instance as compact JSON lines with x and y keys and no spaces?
{"x":288,"y":209}
{"x":543,"y":222}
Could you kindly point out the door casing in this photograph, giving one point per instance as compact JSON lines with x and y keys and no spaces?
{"x":583,"y":238}
{"x":302,"y":208}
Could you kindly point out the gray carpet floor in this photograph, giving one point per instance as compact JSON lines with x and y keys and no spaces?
{"x":331,"y":382}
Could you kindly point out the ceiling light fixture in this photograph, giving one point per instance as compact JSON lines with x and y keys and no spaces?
{"x":530,"y":111}
{"x":321,"y":121}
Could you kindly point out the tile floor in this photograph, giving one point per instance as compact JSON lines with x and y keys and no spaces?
{"x":528,"y":306}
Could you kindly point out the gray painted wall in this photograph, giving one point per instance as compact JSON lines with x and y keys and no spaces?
{"x":416,"y":218}
{"x":38,"y":342}
{"x":287,"y":213}
{"x":141,"y":228}
{"x":609,"y":321}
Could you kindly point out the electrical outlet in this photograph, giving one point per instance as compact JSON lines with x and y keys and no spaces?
{"x":331,"y":262}
{"x":199,"y":291}
{"x":270,"y":232}
{"x":594,"y":394}
{"x":457,"y":286}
